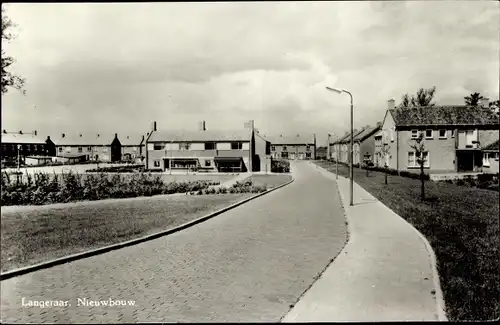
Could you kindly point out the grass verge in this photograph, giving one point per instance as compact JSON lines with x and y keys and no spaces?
{"x":31,"y":236}
{"x":462,"y":226}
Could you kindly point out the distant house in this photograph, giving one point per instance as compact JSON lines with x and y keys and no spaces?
{"x":207,"y":150}
{"x":454,"y":136}
{"x":133,"y":147}
{"x":340,"y":147}
{"x":364,"y":144}
{"x":293,"y":147}
{"x":23,"y":144}
{"x":37,"y":160}
{"x":92,"y":147}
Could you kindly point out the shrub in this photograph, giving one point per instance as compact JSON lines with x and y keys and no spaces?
{"x":280,"y":166}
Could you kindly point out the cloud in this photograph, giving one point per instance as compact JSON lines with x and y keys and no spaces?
{"x":108,"y":65}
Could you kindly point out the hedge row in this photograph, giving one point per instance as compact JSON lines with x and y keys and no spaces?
{"x":45,"y":188}
{"x":118,"y":169}
{"x":246,"y":187}
{"x":280,"y":166}
{"x":483,"y":181}
{"x":389,"y":171}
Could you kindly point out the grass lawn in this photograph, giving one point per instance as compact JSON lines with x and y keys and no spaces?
{"x":31,"y":236}
{"x":269,"y":180}
{"x":461,"y":224}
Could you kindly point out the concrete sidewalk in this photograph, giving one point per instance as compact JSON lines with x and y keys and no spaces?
{"x":386,"y":272}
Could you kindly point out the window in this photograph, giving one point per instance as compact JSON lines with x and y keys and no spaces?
{"x":428,"y":134}
{"x":89,"y":149}
{"x":273,"y":148}
{"x":209,"y":146}
{"x":411,"y":159}
{"x":236,"y":145}
{"x":184,"y":146}
{"x":284,"y":148}
{"x":496,"y":156}
{"x":80,"y":149}
{"x":135,"y":149}
{"x":60,"y":149}
{"x":486,"y":159}
{"x":414,"y":134}
{"x":308,"y":155}
{"x":105,"y":149}
{"x":308,"y":148}
{"x":284,"y":154}
{"x":442,"y":134}
{"x":452,"y":133}
{"x":68,"y":149}
{"x":156,"y":163}
{"x":208,"y":163}
{"x":158,"y":146}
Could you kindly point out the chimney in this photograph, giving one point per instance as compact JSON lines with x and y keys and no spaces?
{"x":391,"y":103}
{"x":379,"y":123}
{"x":202,"y":126}
{"x":128,"y":137}
{"x":48,"y":137}
{"x":80,"y":135}
{"x":298,"y":135}
{"x":116,"y":135}
{"x":154,"y":126}
{"x":485,"y":102}
{"x":20,"y":132}
{"x":281,"y":135}
{"x":34,"y":132}
{"x":97,"y":134}
{"x":4,"y":131}
{"x":63,"y":135}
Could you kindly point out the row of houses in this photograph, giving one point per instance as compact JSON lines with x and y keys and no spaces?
{"x":239,"y":150}
{"x":456,"y":138}
{"x":33,"y":149}
{"x":208,"y":150}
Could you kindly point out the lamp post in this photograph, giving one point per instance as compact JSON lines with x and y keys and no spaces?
{"x":351,"y":147}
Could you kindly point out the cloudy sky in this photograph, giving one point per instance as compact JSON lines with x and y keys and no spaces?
{"x":118,"y":67}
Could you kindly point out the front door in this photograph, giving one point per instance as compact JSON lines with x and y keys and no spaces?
{"x":292,"y":156}
{"x":166,"y":164}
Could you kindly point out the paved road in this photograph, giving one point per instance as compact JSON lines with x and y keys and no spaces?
{"x":249,"y":264}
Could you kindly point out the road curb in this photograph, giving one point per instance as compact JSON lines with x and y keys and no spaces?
{"x":440,"y":303}
{"x":102,"y":250}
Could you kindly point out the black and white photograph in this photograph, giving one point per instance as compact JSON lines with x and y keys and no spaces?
{"x":253,"y":161}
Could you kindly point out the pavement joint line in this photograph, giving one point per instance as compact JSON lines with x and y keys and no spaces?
{"x":320,"y":274}
{"x":440,"y":303}
{"x":109,"y":248}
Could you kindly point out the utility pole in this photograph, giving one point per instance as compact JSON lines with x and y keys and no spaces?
{"x":252,"y":144}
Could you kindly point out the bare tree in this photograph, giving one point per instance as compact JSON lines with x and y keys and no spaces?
{"x":420,"y":151}
{"x":9,"y":79}
{"x":422,"y":98}
{"x":473,"y":99}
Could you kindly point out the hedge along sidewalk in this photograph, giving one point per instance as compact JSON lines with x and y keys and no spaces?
{"x":74,"y":257}
{"x":386,"y":272}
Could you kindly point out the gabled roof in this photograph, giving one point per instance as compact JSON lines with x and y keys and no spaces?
{"x":444,"y":115}
{"x":495,"y":146}
{"x":366,"y":133}
{"x":199,"y":136}
{"x":25,"y":138}
{"x":84,"y":140}
{"x":291,"y":140}
{"x":131,"y":140}
{"x":347,"y":137}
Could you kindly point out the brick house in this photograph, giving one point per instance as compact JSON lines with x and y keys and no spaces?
{"x":89,"y":147}
{"x":207,"y":150}
{"x":364,"y":144}
{"x":453,"y":135}
{"x":293,"y":147}
{"x":132,"y":148}
{"x":24,"y":144}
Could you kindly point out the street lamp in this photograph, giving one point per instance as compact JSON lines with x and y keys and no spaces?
{"x":337,"y":158}
{"x":351,"y":149}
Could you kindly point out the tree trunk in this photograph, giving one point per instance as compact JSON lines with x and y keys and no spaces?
{"x":385,"y":175}
{"x":422,"y":187}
